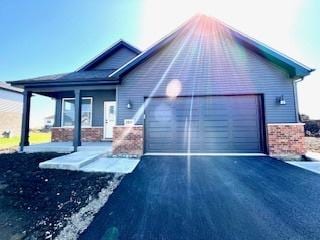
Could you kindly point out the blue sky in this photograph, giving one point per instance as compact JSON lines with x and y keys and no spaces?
{"x":47,"y":37}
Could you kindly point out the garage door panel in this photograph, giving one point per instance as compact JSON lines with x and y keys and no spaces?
{"x":215,"y":124}
{"x":244,"y":116}
{"x":245,"y":134}
{"x":203,"y":124}
{"x":214,"y":116}
{"x":245,"y":140}
{"x":245,"y":124}
{"x":216,"y":134}
{"x":246,"y":147}
{"x":215,"y":141}
{"x":218,"y":147}
{"x":216,"y":111}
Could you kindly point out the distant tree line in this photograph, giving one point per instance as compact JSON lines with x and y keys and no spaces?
{"x":312,"y":127}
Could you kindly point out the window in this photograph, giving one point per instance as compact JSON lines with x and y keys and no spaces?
{"x":67,"y":119}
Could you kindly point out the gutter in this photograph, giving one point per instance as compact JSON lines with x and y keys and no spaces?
{"x":296,"y":105}
{"x":62,"y":83}
{"x":11,"y":90}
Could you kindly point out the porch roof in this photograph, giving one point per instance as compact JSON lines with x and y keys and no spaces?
{"x":79,"y":77}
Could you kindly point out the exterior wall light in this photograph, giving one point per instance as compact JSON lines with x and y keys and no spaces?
{"x":282,"y":101}
{"x":129,"y":105}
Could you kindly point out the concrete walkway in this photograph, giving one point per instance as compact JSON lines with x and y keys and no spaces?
{"x":91,"y":161}
{"x":313,"y":156}
{"x":311,"y":166}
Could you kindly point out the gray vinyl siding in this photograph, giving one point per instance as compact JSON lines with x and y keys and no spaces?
{"x":10,"y":101}
{"x":116,"y":60}
{"x":10,"y":112}
{"x":99,"y":96}
{"x":208,"y":62}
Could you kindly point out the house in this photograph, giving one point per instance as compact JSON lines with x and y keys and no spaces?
{"x":48,"y":122}
{"x":10,"y":110}
{"x":204,"y":88}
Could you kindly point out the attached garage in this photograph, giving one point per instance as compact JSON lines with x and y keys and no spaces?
{"x":204,"y":124}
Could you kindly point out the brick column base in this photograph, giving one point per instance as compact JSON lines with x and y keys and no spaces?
{"x":127,"y":140}
{"x":286,"y":139}
{"x":90,"y":134}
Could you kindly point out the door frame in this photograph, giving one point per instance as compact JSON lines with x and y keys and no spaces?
{"x":261,"y":109}
{"x":105,"y":116}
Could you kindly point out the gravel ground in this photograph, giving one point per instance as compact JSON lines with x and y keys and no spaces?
{"x":313,"y":144}
{"x":34,"y":202}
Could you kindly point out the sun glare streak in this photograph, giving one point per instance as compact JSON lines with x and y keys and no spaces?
{"x":198,"y":51}
{"x":140,"y":112}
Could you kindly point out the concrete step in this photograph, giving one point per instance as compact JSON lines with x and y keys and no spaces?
{"x":111,"y":165}
{"x":72,"y":161}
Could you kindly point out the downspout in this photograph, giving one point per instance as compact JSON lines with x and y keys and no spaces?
{"x":296,"y":95}
{"x":296,"y":98}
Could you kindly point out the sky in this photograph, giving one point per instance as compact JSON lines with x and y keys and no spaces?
{"x":48,"y":37}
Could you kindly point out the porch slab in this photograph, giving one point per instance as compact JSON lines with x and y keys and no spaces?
{"x":66,"y":147}
{"x":72,"y":161}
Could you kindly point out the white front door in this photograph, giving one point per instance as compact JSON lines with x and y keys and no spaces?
{"x":109,"y":118}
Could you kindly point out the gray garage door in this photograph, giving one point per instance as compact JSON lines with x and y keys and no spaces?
{"x":211,"y":124}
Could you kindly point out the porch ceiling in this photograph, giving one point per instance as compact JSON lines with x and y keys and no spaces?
{"x":55,"y":91}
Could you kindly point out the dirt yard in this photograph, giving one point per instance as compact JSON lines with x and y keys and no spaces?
{"x":35,"y":203}
{"x":313,"y":144}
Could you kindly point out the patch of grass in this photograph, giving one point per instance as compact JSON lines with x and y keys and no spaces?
{"x":34,"y":137}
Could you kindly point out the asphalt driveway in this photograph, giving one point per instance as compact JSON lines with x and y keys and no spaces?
{"x":211,"y":198}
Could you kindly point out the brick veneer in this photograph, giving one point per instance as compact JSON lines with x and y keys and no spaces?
{"x":127,"y":140}
{"x":286,"y":139}
{"x":91,"y":134}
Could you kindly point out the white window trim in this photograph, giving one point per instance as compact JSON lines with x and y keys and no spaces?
{"x":62,"y":112}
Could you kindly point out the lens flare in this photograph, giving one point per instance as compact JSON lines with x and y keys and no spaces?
{"x":174,"y":88}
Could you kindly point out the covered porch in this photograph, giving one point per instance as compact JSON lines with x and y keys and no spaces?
{"x":81,"y":121}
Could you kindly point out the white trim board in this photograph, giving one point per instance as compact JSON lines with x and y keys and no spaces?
{"x":205,"y":154}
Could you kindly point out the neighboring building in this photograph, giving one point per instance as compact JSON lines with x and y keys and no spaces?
{"x":48,"y":122}
{"x":10,"y":110}
{"x":205,"y":88}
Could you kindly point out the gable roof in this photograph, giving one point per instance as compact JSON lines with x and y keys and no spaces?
{"x":82,"y":75}
{"x":7,"y":87}
{"x":108,"y":52}
{"x":295,"y":69}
